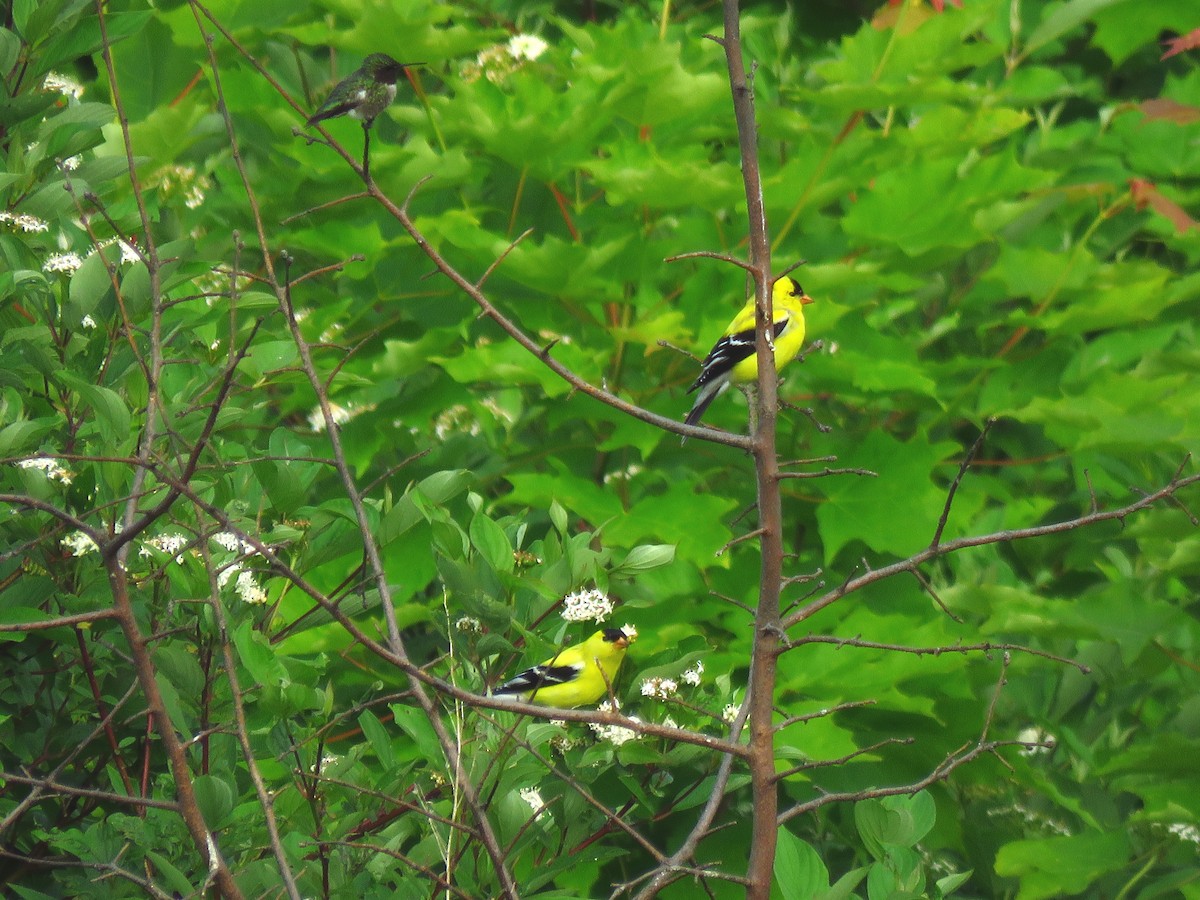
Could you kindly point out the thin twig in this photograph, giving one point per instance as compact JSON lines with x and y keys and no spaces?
{"x":962,"y":470}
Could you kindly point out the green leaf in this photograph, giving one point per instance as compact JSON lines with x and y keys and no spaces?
{"x":379,"y":739}
{"x":1063,"y":17}
{"x":644,"y":558}
{"x":491,"y":542}
{"x":215,"y":797}
{"x":257,"y":655}
{"x":1056,"y":866}
{"x":799,"y":872}
{"x":894,"y":513}
{"x":89,"y":284}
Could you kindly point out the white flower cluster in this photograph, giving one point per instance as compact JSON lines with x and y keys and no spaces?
{"x":499,"y":61}
{"x":51,"y":468}
{"x":469,"y":624}
{"x":245,"y":584}
{"x":526,"y":46}
{"x":1033,"y":735}
{"x":730,"y":712}
{"x":626,"y":474}
{"x":614,"y":734}
{"x":28,"y":224}
{"x":533,"y":797}
{"x":128,"y":253}
{"x":588,"y":606}
{"x":340,"y":415}
{"x":1185,"y":831}
{"x":456,"y":419}
{"x":169,"y":544}
{"x":186,"y":180}
{"x":665,"y":688}
{"x":79,"y":544}
{"x":67,"y":263}
{"x":61,"y":84}
{"x":660,"y":688}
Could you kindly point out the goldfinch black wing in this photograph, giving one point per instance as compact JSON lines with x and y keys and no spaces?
{"x":539,"y":677}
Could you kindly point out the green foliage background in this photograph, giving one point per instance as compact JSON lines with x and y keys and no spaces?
{"x":992,"y":203}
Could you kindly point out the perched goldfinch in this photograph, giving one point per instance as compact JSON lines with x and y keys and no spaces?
{"x":576,"y":676}
{"x":733,"y":358}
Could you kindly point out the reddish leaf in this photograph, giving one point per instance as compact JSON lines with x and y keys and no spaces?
{"x":1170,"y":110}
{"x":1145,"y":193}
{"x":1189,"y":41}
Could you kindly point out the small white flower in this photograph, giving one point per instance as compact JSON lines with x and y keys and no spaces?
{"x":340,"y":414}
{"x":227,"y":540}
{"x":469,"y":624}
{"x":1033,"y":735}
{"x":169,"y":544}
{"x":187,"y":181}
{"x":29,"y":224}
{"x":489,"y":403}
{"x":1185,"y":831}
{"x":692,"y":676}
{"x":129,"y":253}
{"x":62,"y":262}
{"x":61,"y":84}
{"x":70,"y":164}
{"x":668,"y":722}
{"x":730,"y":712}
{"x":88,"y":322}
{"x":526,"y":46}
{"x":456,"y":419}
{"x":630,"y":632}
{"x":660,"y":688}
{"x":587,"y":606}
{"x":327,"y":760}
{"x":626,"y":474}
{"x":534,"y":798}
{"x":614,"y":734}
{"x":79,"y":544}
{"x":52,"y":468}
{"x":249,"y":589}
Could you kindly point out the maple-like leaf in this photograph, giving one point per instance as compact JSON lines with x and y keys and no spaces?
{"x":1189,"y":41}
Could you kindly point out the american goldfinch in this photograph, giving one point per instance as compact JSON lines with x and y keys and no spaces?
{"x":733,"y":358}
{"x":576,"y":676}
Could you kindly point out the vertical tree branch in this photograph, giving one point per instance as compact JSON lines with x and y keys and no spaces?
{"x":766,"y":464}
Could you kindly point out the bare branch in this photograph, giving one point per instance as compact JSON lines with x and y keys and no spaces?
{"x":983,"y":647}
{"x":1015,"y":534}
{"x":962,"y":470}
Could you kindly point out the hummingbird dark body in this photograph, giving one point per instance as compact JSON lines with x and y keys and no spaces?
{"x":364,"y":93}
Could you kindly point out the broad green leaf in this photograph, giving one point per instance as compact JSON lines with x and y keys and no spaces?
{"x":799,"y":872}
{"x":1052,"y":866}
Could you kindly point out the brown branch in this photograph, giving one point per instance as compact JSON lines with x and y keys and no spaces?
{"x":983,"y":647}
{"x":952,"y":761}
{"x":842,"y":760}
{"x":370,"y":547}
{"x":59,"y":621}
{"x":962,"y":470}
{"x":1015,"y":534}
{"x":822,"y":713}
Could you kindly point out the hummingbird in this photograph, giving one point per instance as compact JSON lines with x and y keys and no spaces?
{"x":363,"y":95}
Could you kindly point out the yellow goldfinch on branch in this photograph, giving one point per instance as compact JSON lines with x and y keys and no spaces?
{"x":733,"y":358}
{"x":576,"y":676}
